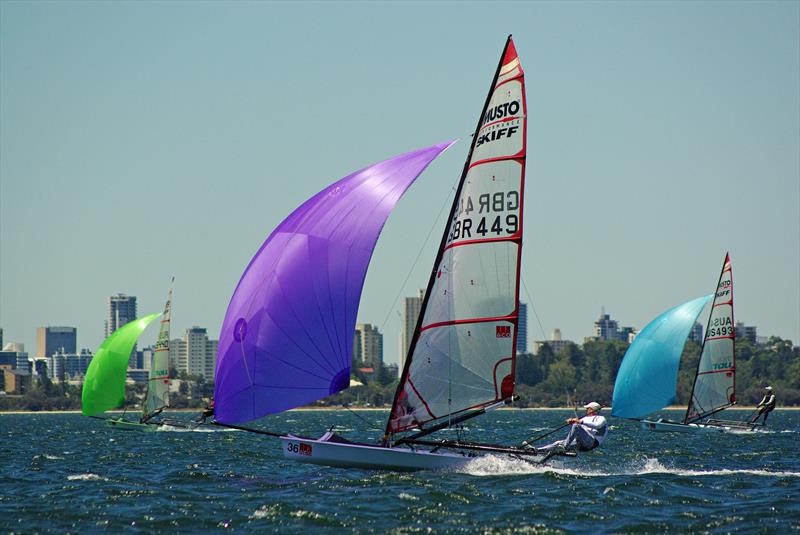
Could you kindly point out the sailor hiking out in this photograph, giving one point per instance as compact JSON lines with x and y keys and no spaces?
{"x":586,"y":433}
{"x":765,"y":406}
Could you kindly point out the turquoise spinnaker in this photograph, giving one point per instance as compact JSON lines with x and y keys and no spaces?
{"x":648,"y":376}
{"x":104,"y":384}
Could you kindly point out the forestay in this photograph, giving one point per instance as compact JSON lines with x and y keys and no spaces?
{"x":648,"y":374}
{"x":714,"y":386}
{"x":462,"y":354}
{"x":287,"y":336}
{"x":158,"y":380}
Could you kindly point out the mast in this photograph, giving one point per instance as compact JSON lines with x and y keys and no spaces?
{"x":508,"y":67}
{"x":157,"y":396}
{"x":719,"y":329}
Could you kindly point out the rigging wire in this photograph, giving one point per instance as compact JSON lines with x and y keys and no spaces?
{"x":354,"y":413}
{"x":419,"y":254}
{"x":530,"y":300}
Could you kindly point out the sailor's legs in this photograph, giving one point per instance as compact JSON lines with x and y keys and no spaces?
{"x":763,"y":410}
{"x":557,"y":445}
{"x":577,"y":439}
{"x":766,"y":413}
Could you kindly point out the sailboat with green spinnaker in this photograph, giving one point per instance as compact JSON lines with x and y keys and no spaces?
{"x":104,"y":386}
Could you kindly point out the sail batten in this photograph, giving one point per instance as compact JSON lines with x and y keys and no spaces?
{"x":462,"y":353}
{"x":287,"y":336}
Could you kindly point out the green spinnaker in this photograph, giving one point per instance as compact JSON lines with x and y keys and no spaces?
{"x":104,"y":384}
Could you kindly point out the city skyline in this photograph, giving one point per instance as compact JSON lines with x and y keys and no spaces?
{"x":179,"y":356}
{"x":650,"y":156}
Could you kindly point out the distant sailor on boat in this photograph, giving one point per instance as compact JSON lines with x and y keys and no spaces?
{"x":147,"y":417}
{"x":765,"y":406}
{"x":587,"y":432}
{"x":207,"y":412}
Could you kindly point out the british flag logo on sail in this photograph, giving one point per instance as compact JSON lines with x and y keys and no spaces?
{"x":503,"y":331}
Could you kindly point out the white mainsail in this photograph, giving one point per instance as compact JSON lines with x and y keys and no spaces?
{"x":158,"y":382}
{"x":462,"y":355}
{"x":715,"y":382}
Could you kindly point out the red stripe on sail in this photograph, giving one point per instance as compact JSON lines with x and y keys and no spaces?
{"x":471,"y":320}
{"x":511,"y":53}
{"x":719,"y":338}
{"x":717,"y":371}
{"x":473,"y":407}
{"x":424,"y":403}
{"x":504,"y":120}
{"x":516,"y":237}
{"x":494,"y":375}
{"x":518,"y":156}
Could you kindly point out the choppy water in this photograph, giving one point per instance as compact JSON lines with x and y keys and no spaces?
{"x":63,"y":472}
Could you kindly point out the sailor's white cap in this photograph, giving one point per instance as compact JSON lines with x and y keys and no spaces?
{"x":767,"y":388}
{"x":595,"y":406}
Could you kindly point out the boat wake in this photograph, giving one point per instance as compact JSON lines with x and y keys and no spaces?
{"x":495,"y":465}
{"x":166,"y":428}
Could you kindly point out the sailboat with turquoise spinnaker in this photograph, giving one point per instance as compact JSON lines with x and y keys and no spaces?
{"x":648,"y":374}
{"x":287,"y":336}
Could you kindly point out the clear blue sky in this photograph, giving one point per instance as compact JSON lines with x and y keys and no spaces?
{"x":141,"y":140}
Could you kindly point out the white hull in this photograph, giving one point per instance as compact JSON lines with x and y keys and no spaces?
{"x":666,"y":426}
{"x":127,"y":425}
{"x":350,"y":455}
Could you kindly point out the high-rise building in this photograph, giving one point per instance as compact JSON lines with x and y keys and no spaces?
{"x":556,"y":343}
{"x":696,"y":334}
{"x":522,"y":328}
{"x":358,"y":357}
{"x":17,"y":347}
{"x":626,"y":334}
{"x":177,"y":352}
{"x":411,"y":309}
{"x":195,"y":354}
{"x":605,"y":328}
{"x":69,"y":365}
{"x":52,"y":339}
{"x":23,"y":362}
{"x":745,"y":331}
{"x":370,"y":346}
{"x":121,"y":310}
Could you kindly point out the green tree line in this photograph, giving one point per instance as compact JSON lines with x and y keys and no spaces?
{"x":583,"y":373}
{"x":576,"y":374}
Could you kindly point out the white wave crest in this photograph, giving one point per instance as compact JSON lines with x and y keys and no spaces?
{"x":266,"y":511}
{"x":654,"y":466}
{"x":501,"y":465}
{"x":86,"y":477}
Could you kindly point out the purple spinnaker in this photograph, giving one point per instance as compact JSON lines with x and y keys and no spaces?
{"x":287,"y":337}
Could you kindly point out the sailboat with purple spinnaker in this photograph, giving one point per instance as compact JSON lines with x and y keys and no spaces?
{"x":287,"y":336}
